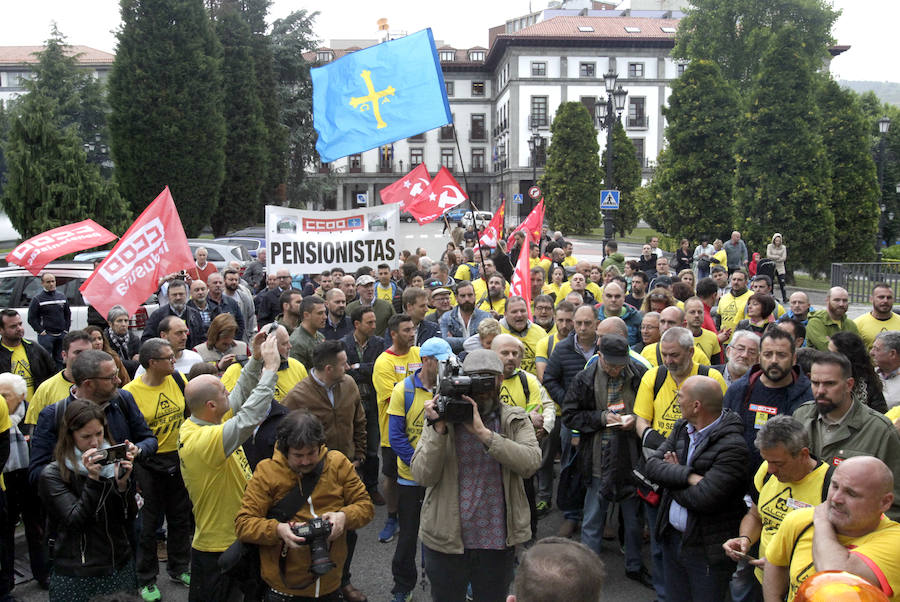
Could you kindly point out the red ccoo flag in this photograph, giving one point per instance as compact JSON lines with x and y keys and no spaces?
{"x":442,"y":194}
{"x":494,"y":230}
{"x":38,"y":251}
{"x":532,"y":224}
{"x":521,"y":280}
{"x":155,"y":245}
{"x":407,"y":188}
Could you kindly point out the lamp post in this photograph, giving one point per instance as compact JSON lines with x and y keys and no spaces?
{"x":884,"y":125}
{"x":535,"y":145}
{"x":607,"y":111}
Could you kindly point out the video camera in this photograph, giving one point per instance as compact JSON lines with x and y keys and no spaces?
{"x":452,"y":384}
{"x":316,"y":533}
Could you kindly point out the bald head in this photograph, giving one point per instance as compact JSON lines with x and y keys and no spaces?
{"x":868,"y":469}
{"x":504,"y":339}
{"x":837,"y":302}
{"x":705,"y":390}
{"x":613,"y":325}
{"x":670,"y":317}
{"x":201,"y":390}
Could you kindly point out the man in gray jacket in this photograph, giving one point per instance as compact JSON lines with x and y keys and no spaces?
{"x":475,"y":510}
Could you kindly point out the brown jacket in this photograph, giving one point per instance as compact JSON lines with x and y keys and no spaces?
{"x":345,"y":422}
{"x":338,"y":490}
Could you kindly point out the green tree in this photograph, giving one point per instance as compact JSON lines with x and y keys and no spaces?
{"x":874,"y":109}
{"x":626,"y":179}
{"x":50,"y":182}
{"x":166,"y":94}
{"x":854,"y":181}
{"x":735,"y":34}
{"x":4,"y":133}
{"x":571,"y":182}
{"x":783,"y":178}
{"x":690,"y":195}
{"x":245,"y":156}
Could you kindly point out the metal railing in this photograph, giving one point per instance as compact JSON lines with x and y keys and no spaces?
{"x":859,"y":278}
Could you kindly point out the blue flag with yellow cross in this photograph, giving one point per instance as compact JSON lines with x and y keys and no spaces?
{"x":378,"y":95}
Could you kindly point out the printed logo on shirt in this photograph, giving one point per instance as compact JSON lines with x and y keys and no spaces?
{"x":168,"y":417}
{"x":773,"y":511}
{"x":670,"y":417}
{"x":23,"y":369}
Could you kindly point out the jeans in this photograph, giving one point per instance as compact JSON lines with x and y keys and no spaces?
{"x":688,"y":574}
{"x":207,"y":582}
{"x":565,"y":438}
{"x":53,"y":344}
{"x":489,"y":571}
{"x":369,"y":472}
{"x":595,"y":509}
{"x":744,"y":586}
{"x":656,"y":553}
{"x":164,"y":493}
{"x":549,"y":448}
{"x":403,"y":566}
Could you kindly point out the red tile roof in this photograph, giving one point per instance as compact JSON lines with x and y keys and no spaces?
{"x":17,"y":55}
{"x":603,"y":27}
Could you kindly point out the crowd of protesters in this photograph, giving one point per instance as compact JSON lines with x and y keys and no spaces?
{"x":244,"y":437}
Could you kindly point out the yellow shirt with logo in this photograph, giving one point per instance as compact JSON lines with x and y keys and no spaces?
{"x":700,"y":356}
{"x":162,"y":407}
{"x":51,"y":390}
{"x":777,"y":499}
{"x":389,"y":370}
{"x":708,"y":343}
{"x":19,"y":365}
{"x":731,"y":309}
{"x":663,"y":410}
{"x":415,"y":419}
{"x":384,"y":293}
{"x":287,"y":378}
{"x":877,"y":549}
{"x":512,"y":394}
{"x":565,"y":288}
{"x":870,"y":327}
{"x":533,"y":336}
{"x":215,"y":483}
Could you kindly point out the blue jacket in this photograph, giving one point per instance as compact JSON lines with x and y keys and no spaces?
{"x":124,"y":421}
{"x":453,"y":332}
{"x":49,"y":312}
{"x":632,"y":317}
{"x":563,"y":366}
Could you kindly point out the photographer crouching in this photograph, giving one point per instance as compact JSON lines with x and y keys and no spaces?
{"x":472,"y":464}
{"x":298,"y":507}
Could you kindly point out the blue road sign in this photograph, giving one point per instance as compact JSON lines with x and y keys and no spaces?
{"x":362,"y":199}
{"x":609,"y":199}
{"x":518,"y":198}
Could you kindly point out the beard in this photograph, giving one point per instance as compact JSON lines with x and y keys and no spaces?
{"x":825,"y":406}
{"x":178,"y":307}
{"x":774,"y":372}
{"x":467,"y":307}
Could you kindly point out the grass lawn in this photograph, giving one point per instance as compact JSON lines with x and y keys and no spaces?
{"x":806,"y":282}
{"x":637,"y":236}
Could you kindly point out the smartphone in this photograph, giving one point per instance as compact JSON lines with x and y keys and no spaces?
{"x":111,"y":454}
{"x":743,"y":556}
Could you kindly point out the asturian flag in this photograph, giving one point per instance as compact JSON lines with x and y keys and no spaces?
{"x":443,"y":194}
{"x":407,"y":188}
{"x":521,"y":280}
{"x":375,"y":96}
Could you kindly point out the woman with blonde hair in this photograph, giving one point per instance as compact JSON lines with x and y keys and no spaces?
{"x":220,"y":347}
{"x":777,"y":252}
{"x":658,"y":299}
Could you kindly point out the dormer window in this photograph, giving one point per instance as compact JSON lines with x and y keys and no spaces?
{"x":476,"y":56}
{"x":324,"y":56}
{"x":447,"y":55}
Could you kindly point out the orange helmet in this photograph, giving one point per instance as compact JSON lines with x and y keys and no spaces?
{"x":838,"y":586}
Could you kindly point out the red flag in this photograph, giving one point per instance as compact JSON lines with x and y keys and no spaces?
{"x":521,"y":280}
{"x":38,"y":251}
{"x":442,"y":194}
{"x":407,"y":188}
{"x":532,"y":224}
{"x":155,"y":245}
{"x":494,"y":230}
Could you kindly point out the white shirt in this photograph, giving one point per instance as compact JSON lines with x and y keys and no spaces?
{"x":183,"y":364}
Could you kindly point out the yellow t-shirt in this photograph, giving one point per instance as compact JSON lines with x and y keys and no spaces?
{"x":893,"y":414}
{"x":5,"y":425}
{"x":415,"y":420}
{"x":512,"y":394}
{"x":870,"y":327}
{"x":777,"y":499}
{"x":384,"y":293}
{"x":19,"y":365}
{"x":389,"y":370}
{"x":498,"y":305}
{"x":731,"y":309}
{"x":543,"y":350}
{"x":162,"y":407}
{"x":721,"y":256}
{"x":51,"y":390}
{"x":649,"y":353}
{"x":708,"y":343}
{"x":215,"y":483}
{"x":662,"y":412}
{"x":565,"y":288}
{"x":534,"y":335}
{"x":570,"y":261}
{"x":877,"y":549}
{"x":545,"y":263}
{"x":287,"y":378}
{"x":776,"y":313}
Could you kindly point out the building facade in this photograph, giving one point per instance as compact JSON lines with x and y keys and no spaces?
{"x":17,"y":66}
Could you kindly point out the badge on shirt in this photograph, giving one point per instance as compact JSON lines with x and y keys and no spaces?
{"x":400,"y":369}
{"x":796,"y":504}
{"x":762,"y":414}
{"x":414,"y":366}
{"x":617,"y":407}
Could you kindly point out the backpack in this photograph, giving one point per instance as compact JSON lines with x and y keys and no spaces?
{"x":663,"y":372}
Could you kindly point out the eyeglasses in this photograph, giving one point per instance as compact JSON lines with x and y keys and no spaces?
{"x":168,"y":358}
{"x":114,"y":377}
{"x":658,"y":297}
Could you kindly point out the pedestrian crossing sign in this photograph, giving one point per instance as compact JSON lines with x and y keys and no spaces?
{"x":609,"y":199}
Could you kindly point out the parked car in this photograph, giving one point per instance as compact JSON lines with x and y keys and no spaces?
{"x":18,"y":287}
{"x":251,"y":243}
{"x":406,"y":216}
{"x":483,"y":218}
{"x":220,"y":254}
{"x":456,"y":214}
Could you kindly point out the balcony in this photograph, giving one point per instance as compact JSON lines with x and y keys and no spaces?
{"x":384,"y":167}
{"x":356,"y":168}
{"x":637,"y":123}
{"x":477,"y":169}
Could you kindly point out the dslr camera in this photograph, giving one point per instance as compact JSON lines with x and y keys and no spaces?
{"x":315,"y":534}
{"x":452,"y":384}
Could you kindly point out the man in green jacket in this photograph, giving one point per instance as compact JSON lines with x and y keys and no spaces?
{"x":306,"y":336}
{"x":826,"y":322}
{"x":840,"y":428}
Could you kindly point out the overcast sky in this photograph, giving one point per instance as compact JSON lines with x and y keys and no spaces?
{"x":866,"y":25}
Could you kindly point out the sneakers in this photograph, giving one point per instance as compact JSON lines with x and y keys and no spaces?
{"x":542,"y":509}
{"x":390,"y":530}
{"x":184,"y":579}
{"x":150,"y":593}
{"x":402,"y":597}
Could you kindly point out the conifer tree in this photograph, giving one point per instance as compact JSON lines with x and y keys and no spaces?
{"x":626,"y":179}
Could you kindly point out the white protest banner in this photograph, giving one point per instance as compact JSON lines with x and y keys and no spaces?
{"x":308,"y":242}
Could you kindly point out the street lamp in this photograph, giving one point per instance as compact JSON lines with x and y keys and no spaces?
{"x":607,"y":111}
{"x":536,"y":145}
{"x":884,"y":125}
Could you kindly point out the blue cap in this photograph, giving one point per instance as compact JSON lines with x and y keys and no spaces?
{"x":437,"y":348}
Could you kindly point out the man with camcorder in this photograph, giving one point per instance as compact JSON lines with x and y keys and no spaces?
{"x":472,"y":464}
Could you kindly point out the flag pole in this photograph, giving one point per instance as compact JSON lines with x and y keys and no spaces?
{"x":472,"y":209}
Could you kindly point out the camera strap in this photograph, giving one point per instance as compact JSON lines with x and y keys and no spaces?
{"x":286,"y":508}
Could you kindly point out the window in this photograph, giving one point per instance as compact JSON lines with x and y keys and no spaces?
{"x":637,"y":117}
{"x":635,"y":70}
{"x":477,"y":160}
{"x":446,"y":132}
{"x":585,"y":28}
{"x":589,"y":103}
{"x":417,"y":138}
{"x":632,"y":29}
{"x":447,"y":158}
{"x":450,"y":87}
{"x":415,"y":156}
{"x":478,"y":131}
{"x":324,"y":56}
{"x":17,"y":79}
{"x":355,"y":163}
{"x":668,"y":29}
{"x":477,"y":88}
{"x":539,"y":110}
{"x":587,"y":70}
{"x":447,"y":55}
{"x":539,"y":69}
{"x":639,"y":150}
{"x":679,"y":69}
{"x":476,"y":55}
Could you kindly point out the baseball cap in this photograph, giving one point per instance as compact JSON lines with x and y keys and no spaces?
{"x":437,"y":348}
{"x":364,"y":280}
{"x":482,"y":360}
{"x":614,"y":349}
